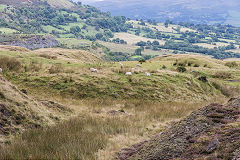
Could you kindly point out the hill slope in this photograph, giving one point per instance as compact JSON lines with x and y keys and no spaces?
{"x":211,"y":132}
{"x":18,"y":111}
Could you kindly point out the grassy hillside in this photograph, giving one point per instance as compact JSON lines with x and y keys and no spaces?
{"x":52,"y":106}
{"x":66,"y":72}
{"x":19,"y":111}
{"x":113,"y":110}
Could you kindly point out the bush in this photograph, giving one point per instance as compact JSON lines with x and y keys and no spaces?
{"x":164,"y":67}
{"x":196,"y":65}
{"x":203,"y":79}
{"x":10,"y":63}
{"x":205,"y":65}
{"x":181,"y":69}
{"x":142,"y":60}
{"x":182,"y":64}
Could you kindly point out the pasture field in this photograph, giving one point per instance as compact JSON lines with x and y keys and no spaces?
{"x":133,"y":39}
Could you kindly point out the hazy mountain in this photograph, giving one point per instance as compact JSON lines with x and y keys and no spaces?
{"x":204,"y":11}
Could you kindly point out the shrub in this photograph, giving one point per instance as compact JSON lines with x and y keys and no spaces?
{"x":181,"y":69}
{"x":183,"y":64}
{"x":56,"y":68}
{"x":164,"y":67}
{"x":196,"y":65}
{"x":205,"y":65}
{"x":10,"y":63}
{"x":190,"y":64}
{"x":203,"y":79}
{"x":142,"y":60}
{"x":222,"y":75}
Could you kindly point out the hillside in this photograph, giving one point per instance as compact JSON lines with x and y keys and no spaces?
{"x":19,"y":111}
{"x":193,"y":11}
{"x":65,"y":72}
{"x":105,"y":110}
{"x":78,"y":83}
{"x":211,"y":132}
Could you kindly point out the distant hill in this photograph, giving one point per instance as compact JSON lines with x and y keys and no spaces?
{"x":204,"y":11}
{"x":54,"y":3}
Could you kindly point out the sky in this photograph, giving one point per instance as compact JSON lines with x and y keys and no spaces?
{"x":88,"y":1}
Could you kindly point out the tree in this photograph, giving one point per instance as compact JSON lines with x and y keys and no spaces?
{"x":155,"y":43}
{"x":138,"y":51}
{"x":75,"y":29}
{"x":99,"y":36}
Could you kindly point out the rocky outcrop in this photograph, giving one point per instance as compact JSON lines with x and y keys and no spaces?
{"x":36,"y":42}
{"x":212,"y":132}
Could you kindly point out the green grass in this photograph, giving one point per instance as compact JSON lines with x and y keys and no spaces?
{"x":67,"y":27}
{"x":78,"y":138}
{"x":49,"y":29}
{"x":7,"y":30}
{"x":2,"y":7}
{"x":73,"y":42}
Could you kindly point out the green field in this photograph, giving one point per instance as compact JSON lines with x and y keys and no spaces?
{"x":7,"y":30}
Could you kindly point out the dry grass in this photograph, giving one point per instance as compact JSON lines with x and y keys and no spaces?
{"x":78,"y":138}
{"x":228,"y":91}
{"x":222,"y":75}
{"x":56,"y":68}
{"x":133,"y":39}
{"x":71,"y":55}
{"x":48,"y":56}
{"x":97,"y":133}
{"x":211,"y":46}
{"x":10,"y":64}
{"x":13,"y":48}
{"x":231,"y":64}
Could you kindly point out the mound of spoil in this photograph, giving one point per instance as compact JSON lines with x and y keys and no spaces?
{"x":212,"y":132}
{"x":19,"y":112}
{"x":36,"y":42}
